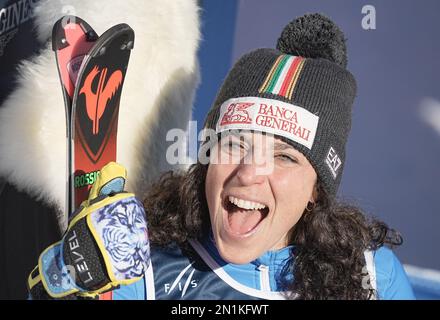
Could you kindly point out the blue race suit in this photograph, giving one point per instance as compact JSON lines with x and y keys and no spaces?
{"x":200,"y":273}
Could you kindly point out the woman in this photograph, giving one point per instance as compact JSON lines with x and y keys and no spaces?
{"x":257,"y":216}
{"x":260,"y":220}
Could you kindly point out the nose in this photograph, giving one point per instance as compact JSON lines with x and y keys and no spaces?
{"x":257,"y":163}
{"x":252,"y":172}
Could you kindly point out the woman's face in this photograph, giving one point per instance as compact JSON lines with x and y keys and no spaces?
{"x":257,"y":188}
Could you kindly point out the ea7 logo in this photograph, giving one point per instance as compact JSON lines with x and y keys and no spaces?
{"x":333,"y":162}
{"x":181,"y":285}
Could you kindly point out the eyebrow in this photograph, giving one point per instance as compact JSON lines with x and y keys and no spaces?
{"x":282,"y":146}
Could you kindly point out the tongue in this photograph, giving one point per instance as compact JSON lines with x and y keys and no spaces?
{"x":242,"y":221}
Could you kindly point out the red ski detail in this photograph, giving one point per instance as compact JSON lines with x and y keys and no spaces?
{"x":76,"y":52}
{"x":96,"y":102}
{"x":106,"y":296}
{"x":86,"y":161}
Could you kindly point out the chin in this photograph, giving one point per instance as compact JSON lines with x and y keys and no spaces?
{"x":236,"y":254}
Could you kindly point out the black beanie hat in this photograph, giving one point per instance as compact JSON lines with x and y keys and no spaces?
{"x":301,"y":91}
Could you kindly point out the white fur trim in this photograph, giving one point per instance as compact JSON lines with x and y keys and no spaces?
{"x":157,"y":96}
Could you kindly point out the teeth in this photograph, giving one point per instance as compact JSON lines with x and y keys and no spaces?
{"x":244,"y":204}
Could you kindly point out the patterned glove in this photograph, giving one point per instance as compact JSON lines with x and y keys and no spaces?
{"x":105,"y":245}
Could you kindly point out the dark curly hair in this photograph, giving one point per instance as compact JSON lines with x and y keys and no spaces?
{"x":329,"y":241}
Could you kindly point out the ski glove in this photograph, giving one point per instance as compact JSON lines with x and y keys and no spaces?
{"x":105,"y":245}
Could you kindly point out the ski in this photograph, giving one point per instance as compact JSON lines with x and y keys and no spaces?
{"x":95,"y":108}
{"x":72,"y":39}
{"x":92,"y":71}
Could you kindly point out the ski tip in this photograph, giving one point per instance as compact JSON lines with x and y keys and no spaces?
{"x":59,"y":40}
{"x":129,"y":33}
{"x":129,"y":43}
{"x":122,"y":31}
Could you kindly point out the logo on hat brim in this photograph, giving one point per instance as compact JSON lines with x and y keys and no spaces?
{"x":271,"y":116}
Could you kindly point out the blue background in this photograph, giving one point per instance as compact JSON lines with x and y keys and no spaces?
{"x":392,"y":167}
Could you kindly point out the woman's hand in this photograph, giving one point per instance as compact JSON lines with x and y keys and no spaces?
{"x":105,"y":245}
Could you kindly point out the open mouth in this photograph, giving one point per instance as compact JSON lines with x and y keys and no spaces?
{"x":244,"y":216}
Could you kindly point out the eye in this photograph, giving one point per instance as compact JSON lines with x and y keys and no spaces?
{"x":286,"y":158}
{"x":234,"y":145}
{"x":231,"y":145}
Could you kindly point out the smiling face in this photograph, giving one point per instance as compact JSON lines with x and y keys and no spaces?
{"x":255,"y":200}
